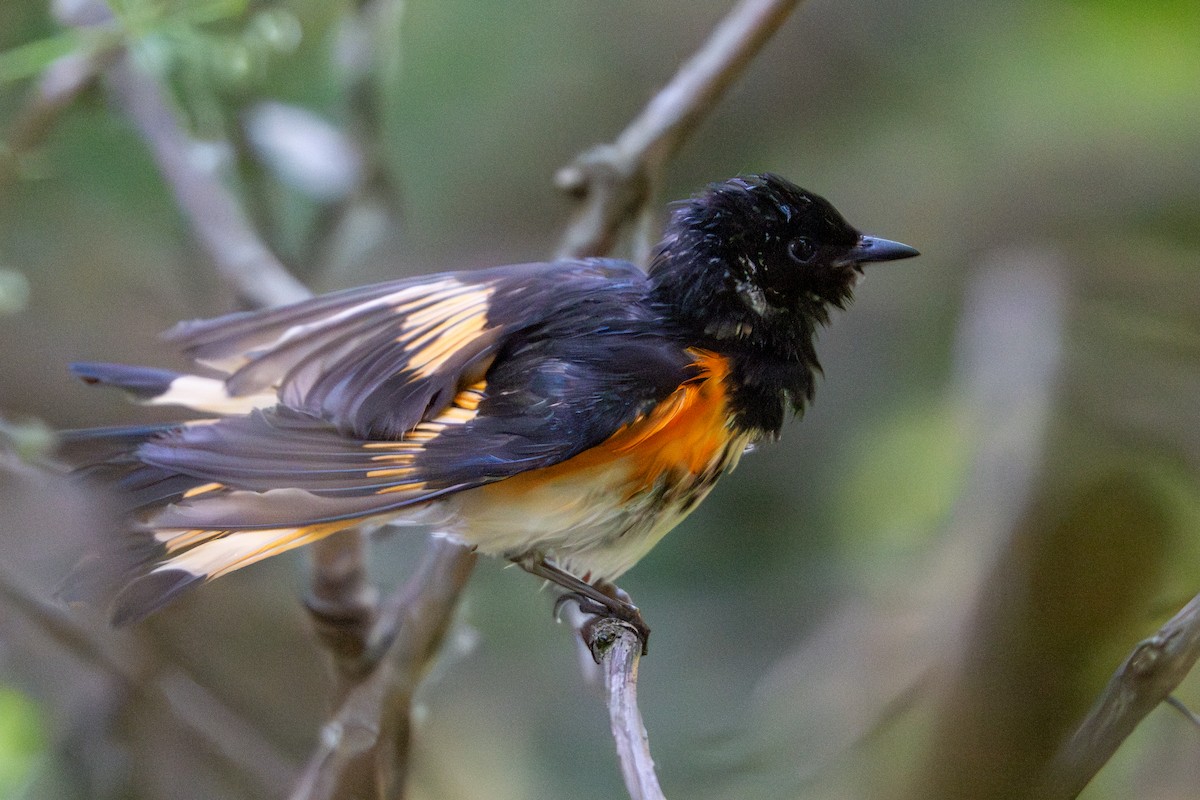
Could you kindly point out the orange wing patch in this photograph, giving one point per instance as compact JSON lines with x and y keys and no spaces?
{"x":687,"y":434}
{"x":435,"y":319}
{"x":438,"y":331}
{"x":463,"y":409}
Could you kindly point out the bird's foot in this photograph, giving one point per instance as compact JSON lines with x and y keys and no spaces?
{"x":598,"y":600}
{"x":614,"y":606}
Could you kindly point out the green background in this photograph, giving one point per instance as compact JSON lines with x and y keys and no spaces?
{"x":914,"y":594}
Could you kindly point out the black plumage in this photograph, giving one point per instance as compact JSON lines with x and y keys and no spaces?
{"x":401,"y":397}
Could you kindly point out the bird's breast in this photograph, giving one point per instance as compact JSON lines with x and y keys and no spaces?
{"x":603,"y":509}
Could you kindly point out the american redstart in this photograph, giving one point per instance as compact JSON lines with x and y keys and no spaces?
{"x":564,"y":415}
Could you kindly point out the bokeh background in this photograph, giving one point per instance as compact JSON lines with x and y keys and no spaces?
{"x":916,"y":593}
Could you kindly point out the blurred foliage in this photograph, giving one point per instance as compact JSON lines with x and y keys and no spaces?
{"x":941,"y":564}
{"x":22,"y":741}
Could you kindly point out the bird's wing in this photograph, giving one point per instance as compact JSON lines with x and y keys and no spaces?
{"x":536,"y":364}
{"x":375,"y":360}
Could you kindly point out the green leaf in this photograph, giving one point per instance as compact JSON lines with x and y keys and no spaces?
{"x":202,"y":12}
{"x":31,"y":58}
{"x":22,"y":740}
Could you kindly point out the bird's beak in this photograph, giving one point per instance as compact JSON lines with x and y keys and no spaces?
{"x":872,"y":248}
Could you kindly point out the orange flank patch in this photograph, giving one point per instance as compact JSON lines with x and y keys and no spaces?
{"x":688,"y":433}
{"x":689,"y":430}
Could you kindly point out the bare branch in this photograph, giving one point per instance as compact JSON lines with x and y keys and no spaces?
{"x":1151,"y":672}
{"x":617,"y":648}
{"x":342,"y":602}
{"x":214,"y":725}
{"x":376,"y":710}
{"x":218,"y":221}
{"x":615,"y":181}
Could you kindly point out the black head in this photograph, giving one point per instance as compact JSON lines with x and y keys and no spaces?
{"x":757,"y":253}
{"x":749,"y":268}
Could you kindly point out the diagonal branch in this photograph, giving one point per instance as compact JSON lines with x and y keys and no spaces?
{"x":616,"y":181}
{"x":369,"y":733}
{"x":213,"y":724}
{"x":243,"y":260}
{"x":1151,"y":672}
{"x":616,"y":646}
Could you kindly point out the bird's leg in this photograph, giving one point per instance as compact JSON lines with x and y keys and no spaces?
{"x":599,"y":599}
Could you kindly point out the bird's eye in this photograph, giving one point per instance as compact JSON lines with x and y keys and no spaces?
{"x":802,"y":249}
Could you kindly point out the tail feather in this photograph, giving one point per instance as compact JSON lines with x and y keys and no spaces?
{"x":185,"y":558}
{"x":90,"y":447}
{"x":140,"y":383}
{"x":151,"y":565}
{"x":160,"y":387}
{"x":142,"y":596}
{"x":109,"y":456}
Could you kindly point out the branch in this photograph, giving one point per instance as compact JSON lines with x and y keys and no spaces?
{"x":215,"y":726}
{"x":372,"y":723}
{"x":218,"y":221}
{"x":342,"y":603}
{"x":616,"y":181}
{"x":342,"y":600}
{"x":617,"y":648}
{"x":1151,"y":672}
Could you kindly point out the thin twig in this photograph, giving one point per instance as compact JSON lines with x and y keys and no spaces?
{"x":215,"y":725}
{"x":615,"y":181}
{"x":341,"y":592}
{"x":342,"y":603}
{"x":617,"y":648}
{"x":1151,"y":672}
{"x":376,"y":711}
{"x":1177,"y":704}
{"x":218,"y":221}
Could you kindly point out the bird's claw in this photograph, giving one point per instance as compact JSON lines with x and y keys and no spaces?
{"x":618,"y":608}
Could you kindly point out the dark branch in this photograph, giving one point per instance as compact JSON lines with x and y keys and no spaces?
{"x":342,"y":603}
{"x":370,"y":730}
{"x":218,"y":728}
{"x":1151,"y":672}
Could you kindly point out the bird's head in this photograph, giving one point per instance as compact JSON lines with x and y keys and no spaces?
{"x":758,"y":259}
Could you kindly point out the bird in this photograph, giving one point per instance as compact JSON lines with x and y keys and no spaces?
{"x":564,"y":415}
